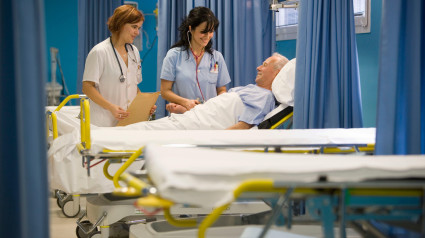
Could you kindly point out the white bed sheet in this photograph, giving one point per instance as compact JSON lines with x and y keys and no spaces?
{"x":67,"y":173}
{"x":117,"y":139}
{"x":216,"y":114}
{"x":207,"y":177}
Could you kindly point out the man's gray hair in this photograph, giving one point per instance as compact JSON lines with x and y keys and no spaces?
{"x":280,"y":62}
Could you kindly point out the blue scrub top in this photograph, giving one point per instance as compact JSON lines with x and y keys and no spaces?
{"x":180,"y":68}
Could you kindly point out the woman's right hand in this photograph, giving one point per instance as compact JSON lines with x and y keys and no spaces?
{"x":190,"y":103}
{"x":118,"y":112}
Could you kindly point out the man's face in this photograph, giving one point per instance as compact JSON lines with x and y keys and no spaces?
{"x":266,"y":72}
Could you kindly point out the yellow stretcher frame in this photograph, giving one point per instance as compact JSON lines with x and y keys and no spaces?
{"x":52,"y":117}
{"x":85,"y":145}
{"x":263,"y":186}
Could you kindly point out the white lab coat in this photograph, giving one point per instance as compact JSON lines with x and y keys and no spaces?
{"x":102,"y":68}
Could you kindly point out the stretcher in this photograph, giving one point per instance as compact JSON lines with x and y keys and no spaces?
{"x":94,"y":144}
{"x":338,"y":189}
{"x":79,"y":139}
{"x":65,"y":154}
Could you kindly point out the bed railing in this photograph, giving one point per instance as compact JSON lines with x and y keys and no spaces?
{"x":327,"y":202}
{"x":85,"y":123}
{"x":52,"y":117}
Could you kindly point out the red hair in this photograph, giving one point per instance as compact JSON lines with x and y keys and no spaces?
{"x":122,"y":15}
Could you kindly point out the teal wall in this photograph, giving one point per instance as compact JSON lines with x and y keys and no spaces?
{"x":149,"y":57}
{"x":287,"y":48}
{"x":62,"y":32}
{"x":368,"y":52}
{"x":61,"y":21}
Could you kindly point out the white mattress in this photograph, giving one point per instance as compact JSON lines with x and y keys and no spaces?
{"x":66,"y":172}
{"x":207,"y":177}
{"x":114,"y":138}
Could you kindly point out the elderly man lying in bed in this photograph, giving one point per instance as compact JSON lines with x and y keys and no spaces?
{"x":240,"y":108}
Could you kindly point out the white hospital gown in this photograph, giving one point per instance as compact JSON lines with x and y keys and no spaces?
{"x":258,"y":102}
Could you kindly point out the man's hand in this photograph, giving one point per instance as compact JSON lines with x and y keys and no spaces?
{"x":175,"y":108}
{"x":240,"y":126}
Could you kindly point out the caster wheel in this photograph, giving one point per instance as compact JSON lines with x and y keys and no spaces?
{"x":59,"y":202}
{"x":62,"y":198}
{"x":86,"y":224}
{"x":68,"y":209}
{"x":96,"y":234}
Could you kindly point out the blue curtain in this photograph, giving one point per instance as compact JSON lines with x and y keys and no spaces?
{"x":327,"y":85}
{"x":92,"y":29}
{"x":170,"y":15}
{"x":246,"y":35}
{"x":23,"y":160}
{"x":400,"y":127}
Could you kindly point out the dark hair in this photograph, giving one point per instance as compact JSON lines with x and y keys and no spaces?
{"x":122,"y":15}
{"x":197,"y":16}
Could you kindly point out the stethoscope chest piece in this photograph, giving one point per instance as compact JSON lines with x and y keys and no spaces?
{"x":122,"y":78}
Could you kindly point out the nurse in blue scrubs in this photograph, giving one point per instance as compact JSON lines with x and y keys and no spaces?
{"x":193,"y":72}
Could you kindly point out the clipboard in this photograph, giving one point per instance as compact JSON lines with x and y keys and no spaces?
{"x":139,"y":108}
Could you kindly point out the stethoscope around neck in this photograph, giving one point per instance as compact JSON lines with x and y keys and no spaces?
{"x":122,"y":76}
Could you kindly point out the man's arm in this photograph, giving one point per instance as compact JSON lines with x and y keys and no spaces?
{"x":240,"y":126}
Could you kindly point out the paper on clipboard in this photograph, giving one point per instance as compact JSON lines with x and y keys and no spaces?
{"x":140,"y":107}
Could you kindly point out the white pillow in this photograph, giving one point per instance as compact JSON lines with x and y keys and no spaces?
{"x":283,"y":84}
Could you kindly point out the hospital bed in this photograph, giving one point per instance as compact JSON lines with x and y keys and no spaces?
{"x":345,"y":189}
{"x":104,"y":138}
{"x":68,"y":174}
{"x":94,"y":144}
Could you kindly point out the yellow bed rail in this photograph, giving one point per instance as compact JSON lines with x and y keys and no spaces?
{"x":85,"y":123}
{"x":51,"y":116}
{"x":267,"y":185}
{"x":283,"y":120}
{"x":117,"y":176}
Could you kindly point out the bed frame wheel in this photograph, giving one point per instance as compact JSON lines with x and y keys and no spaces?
{"x":96,"y":234}
{"x":71,"y":208}
{"x":61,"y":197}
{"x":87,"y":225}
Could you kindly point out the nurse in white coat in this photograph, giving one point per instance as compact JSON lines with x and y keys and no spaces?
{"x":113,"y":69}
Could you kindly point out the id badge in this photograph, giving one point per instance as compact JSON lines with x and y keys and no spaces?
{"x":214,"y":68}
{"x":139,"y":69}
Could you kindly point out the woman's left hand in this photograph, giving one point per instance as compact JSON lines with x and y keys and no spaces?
{"x":153,"y":109}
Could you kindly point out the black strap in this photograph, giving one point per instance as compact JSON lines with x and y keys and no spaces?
{"x":267,"y":124}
